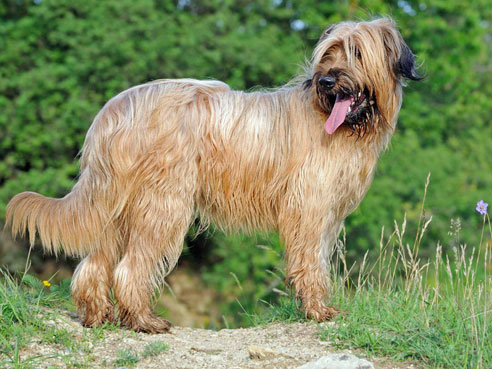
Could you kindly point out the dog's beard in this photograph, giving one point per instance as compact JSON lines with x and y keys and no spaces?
{"x":352,"y":108}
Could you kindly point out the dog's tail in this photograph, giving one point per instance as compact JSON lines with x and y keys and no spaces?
{"x":69,"y":223}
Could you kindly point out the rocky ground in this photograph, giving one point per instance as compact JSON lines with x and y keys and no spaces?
{"x":281,"y":345}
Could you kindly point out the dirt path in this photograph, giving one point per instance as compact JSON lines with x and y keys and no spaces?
{"x":274,"y":346}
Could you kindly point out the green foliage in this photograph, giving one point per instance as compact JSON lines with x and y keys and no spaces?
{"x":29,"y":312}
{"x":244,"y":270}
{"x":58,"y":336}
{"x":286,"y":310}
{"x":127,"y":357}
{"x":154,"y":349}
{"x":402,"y":327}
{"x":15,"y":306}
{"x":20,"y":299}
{"x":21,"y":304}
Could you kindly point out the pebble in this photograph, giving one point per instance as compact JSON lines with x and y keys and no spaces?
{"x":338,"y":361}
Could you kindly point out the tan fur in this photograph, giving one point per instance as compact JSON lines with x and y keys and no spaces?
{"x":161,"y":153}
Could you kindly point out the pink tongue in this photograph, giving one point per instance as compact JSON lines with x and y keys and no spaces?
{"x":338,"y":114}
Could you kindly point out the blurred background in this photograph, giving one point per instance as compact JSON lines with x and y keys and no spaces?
{"x":60,"y":61}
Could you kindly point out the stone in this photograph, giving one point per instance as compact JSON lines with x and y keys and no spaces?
{"x":262,"y":353}
{"x":338,"y":361}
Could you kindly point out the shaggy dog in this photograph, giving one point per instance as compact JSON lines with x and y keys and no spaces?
{"x":297,"y":160}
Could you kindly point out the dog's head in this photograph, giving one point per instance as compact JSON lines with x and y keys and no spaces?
{"x":357,"y":72}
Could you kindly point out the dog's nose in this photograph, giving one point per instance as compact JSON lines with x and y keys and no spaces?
{"x":327,"y":82}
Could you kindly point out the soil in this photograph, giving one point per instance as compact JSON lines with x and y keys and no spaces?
{"x":279,"y":345}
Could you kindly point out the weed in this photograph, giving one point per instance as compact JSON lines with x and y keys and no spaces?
{"x":154,"y":349}
{"x":127,"y":357}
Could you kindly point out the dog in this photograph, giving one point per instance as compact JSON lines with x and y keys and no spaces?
{"x":297,"y":160}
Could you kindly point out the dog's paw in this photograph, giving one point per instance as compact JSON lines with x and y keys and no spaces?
{"x":154,"y":325}
{"x":322,"y":313}
{"x":147,"y":323}
{"x":93,"y":317}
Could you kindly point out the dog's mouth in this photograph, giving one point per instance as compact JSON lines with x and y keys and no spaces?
{"x":346,"y":108}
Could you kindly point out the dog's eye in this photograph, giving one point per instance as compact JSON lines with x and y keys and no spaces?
{"x":357,"y":54}
{"x":325,"y":56}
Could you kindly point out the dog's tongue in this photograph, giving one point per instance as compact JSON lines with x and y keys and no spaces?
{"x":338,"y":114}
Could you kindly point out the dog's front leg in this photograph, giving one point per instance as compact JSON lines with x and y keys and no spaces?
{"x":309,"y":245}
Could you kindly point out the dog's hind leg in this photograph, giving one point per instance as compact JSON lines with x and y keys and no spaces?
{"x":92,"y":282}
{"x":157,"y":225}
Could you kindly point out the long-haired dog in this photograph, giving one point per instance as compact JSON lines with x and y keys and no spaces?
{"x":296,"y":160}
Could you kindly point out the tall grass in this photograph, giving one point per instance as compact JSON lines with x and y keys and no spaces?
{"x":437,"y":311}
{"x":22,"y":316}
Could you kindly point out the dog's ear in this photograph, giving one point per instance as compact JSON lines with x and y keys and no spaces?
{"x":399,"y":54}
{"x":406,"y":64}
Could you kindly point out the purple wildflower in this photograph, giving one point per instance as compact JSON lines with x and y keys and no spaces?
{"x":482,"y":207}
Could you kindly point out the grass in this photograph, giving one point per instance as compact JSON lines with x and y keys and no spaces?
{"x":20,"y":303}
{"x":396,"y":325}
{"x":30,"y":313}
{"x":403,"y":312}
{"x":437,"y":311}
{"x":129,"y":357}
{"x":29,"y":310}
{"x":154,"y":349}
{"x":287,"y":310}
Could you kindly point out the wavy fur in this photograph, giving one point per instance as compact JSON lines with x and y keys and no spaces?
{"x":161,"y":153}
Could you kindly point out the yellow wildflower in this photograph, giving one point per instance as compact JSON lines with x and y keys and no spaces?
{"x":46,"y":283}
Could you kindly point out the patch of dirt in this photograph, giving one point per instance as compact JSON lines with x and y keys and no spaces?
{"x":187,"y":301}
{"x":279,"y":345}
